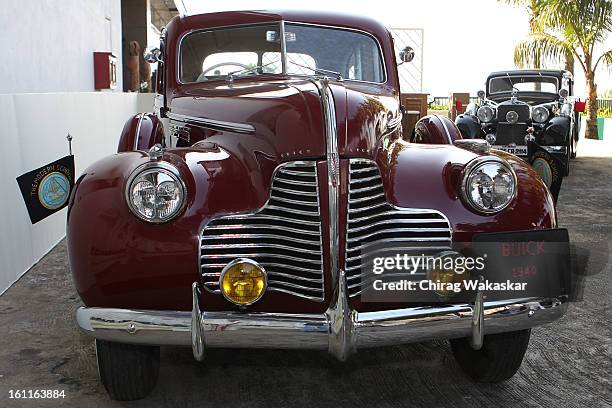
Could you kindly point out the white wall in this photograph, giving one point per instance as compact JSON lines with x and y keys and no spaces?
{"x":48,"y":45}
{"x":34,"y":133}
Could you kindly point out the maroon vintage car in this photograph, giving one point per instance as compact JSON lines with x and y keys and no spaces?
{"x":250,"y":219}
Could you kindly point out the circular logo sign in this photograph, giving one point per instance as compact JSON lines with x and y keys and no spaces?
{"x":54,"y":190}
{"x":542,"y":167}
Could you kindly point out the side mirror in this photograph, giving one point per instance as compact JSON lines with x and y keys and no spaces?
{"x":152,"y":55}
{"x":563,"y":93}
{"x":407,"y":54}
{"x":481,"y":94}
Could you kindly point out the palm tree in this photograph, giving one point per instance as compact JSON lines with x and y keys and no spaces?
{"x":535,"y":25}
{"x":571,"y":28}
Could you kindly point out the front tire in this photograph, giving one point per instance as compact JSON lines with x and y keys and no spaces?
{"x":128,"y":372}
{"x":499,"y":358}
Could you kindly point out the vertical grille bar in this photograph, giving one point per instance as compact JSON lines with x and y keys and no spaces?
{"x":375,"y":225}
{"x":284,"y":236}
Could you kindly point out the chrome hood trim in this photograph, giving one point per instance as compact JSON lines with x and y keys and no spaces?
{"x":212,"y":123}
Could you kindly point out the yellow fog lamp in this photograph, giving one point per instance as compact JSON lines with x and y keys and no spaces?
{"x":243,"y":281}
{"x":446,"y":272}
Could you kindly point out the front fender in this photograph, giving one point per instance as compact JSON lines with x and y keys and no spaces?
{"x":141,"y":132}
{"x":469,"y":127}
{"x":435,"y":129}
{"x":557,"y":131}
{"x":118,"y":260}
{"x":429,"y":176}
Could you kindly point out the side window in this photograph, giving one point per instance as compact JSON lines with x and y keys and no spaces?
{"x":354,"y":65}
{"x":362,"y":65}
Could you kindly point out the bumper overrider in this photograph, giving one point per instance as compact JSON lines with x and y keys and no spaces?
{"x":339,"y":330}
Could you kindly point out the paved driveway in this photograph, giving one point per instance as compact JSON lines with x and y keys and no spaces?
{"x":568,"y":363}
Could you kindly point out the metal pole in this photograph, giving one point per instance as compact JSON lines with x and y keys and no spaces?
{"x":69,"y":138}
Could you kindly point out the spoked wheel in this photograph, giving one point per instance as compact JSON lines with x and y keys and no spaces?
{"x":129,"y":372}
{"x":499,"y":358}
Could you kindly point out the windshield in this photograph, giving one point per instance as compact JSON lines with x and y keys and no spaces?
{"x":209,"y":55}
{"x":535,"y":83}
{"x":256,"y":50}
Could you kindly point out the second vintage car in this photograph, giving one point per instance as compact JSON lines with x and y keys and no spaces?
{"x":250,"y":220}
{"x":529,"y":113}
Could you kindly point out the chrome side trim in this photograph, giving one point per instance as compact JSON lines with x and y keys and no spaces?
{"x":213,"y":123}
{"x":137,"y":136}
{"x":448,"y":136}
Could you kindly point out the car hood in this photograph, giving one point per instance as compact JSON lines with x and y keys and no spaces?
{"x":531,"y":98}
{"x":286,"y":116}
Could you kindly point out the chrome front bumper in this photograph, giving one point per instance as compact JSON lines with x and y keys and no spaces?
{"x":340,"y":330}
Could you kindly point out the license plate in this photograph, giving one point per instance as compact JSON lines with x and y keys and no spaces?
{"x":517,"y":150}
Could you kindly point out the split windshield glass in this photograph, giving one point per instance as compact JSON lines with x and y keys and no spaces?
{"x":534,"y":83}
{"x":256,"y":50}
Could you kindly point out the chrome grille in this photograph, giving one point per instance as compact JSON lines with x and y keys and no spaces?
{"x":507,"y":133}
{"x":521,"y":109}
{"x":376,"y":228}
{"x":284,"y":236}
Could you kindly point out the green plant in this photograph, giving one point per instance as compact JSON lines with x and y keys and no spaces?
{"x":604,"y":113}
{"x":438,"y":107}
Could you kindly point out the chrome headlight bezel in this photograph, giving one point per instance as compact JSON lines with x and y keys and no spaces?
{"x":566,"y":109}
{"x":540,"y":110}
{"x":159,"y":167}
{"x":472,"y":167}
{"x":485,"y":114}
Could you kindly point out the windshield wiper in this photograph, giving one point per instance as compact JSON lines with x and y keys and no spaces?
{"x":254,"y":69}
{"x":320,"y":70}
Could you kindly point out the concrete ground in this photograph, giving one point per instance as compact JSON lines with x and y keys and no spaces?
{"x":568,"y":364}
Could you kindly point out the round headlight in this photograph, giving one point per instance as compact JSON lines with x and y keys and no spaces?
{"x":485,"y":114}
{"x":489,"y":185}
{"x":155,"y":193}
{"x":243,"y":281}
{"x":540,"y":114}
